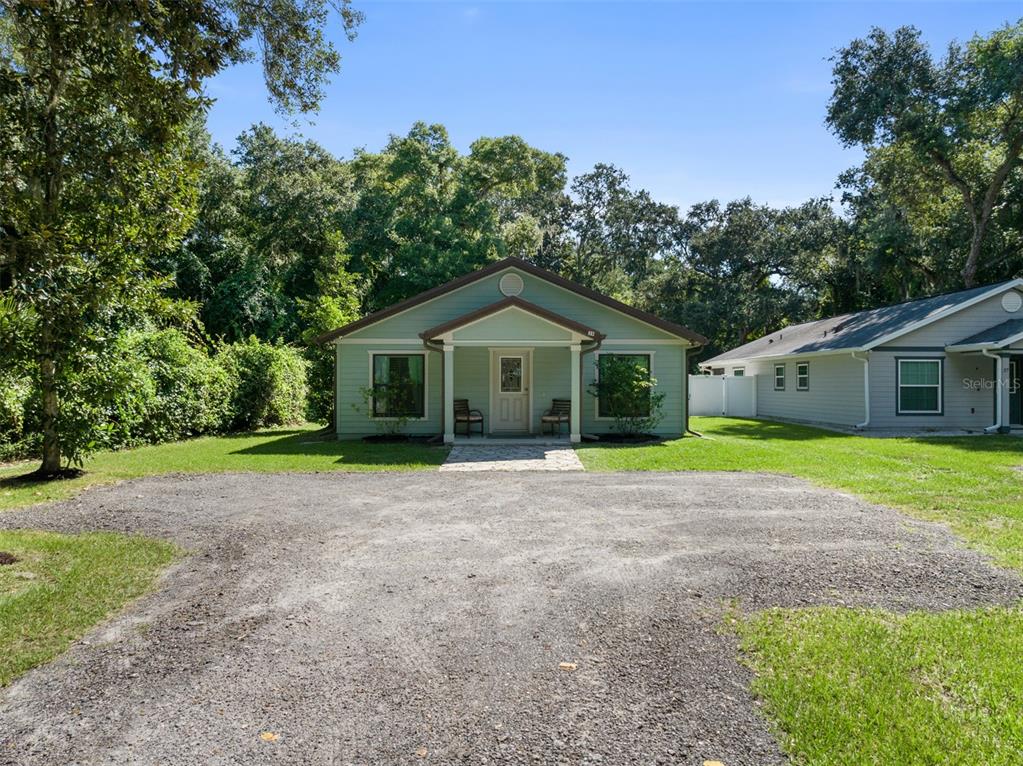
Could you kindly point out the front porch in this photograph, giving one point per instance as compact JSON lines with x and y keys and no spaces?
{"x":1002,"y":344}
{"x":511,"y":387}
{"x":510,"y":361}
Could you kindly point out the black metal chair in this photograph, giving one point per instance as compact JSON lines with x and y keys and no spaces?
{"x":469,"y":417}
{"x":560,"y":412}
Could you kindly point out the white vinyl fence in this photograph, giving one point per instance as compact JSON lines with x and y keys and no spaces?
{"x":723,"y":395}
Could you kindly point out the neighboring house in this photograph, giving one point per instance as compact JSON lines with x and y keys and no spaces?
{"x":509,"y":338}
{"x":948,"y":362}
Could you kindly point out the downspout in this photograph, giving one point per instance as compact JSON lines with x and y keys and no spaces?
{"x":866,"y":389}
{"x":997,"y":427}
{"x":440,"y":349}
{"x":582,"y":379}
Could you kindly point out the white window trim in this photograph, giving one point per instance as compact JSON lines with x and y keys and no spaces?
{"x":738,"y":372}
{"x":800,"y":386}
{"x":596,"y":374}
{"x":784,"y":377}
{"x":426,"y":384}
{"x":899,"y":385}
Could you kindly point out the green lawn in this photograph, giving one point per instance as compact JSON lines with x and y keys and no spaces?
{"x":62,"y":585}
{"x":842,"y":686}
{"x":974,"y":484}
{"x":846,"y":686}
{"x":851,"y":686}
{"x":295,"y":449}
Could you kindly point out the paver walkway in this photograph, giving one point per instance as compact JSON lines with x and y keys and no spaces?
{"x":512,"y":457}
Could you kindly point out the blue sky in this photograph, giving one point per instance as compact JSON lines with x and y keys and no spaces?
{"x":693,"y":100}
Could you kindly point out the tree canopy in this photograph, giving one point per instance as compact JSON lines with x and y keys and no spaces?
{"x":957,"y":122}
{"x":129,"y":238}
{"x":96,"y":175}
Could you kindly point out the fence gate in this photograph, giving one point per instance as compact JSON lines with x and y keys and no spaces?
{"x":723,"y":396}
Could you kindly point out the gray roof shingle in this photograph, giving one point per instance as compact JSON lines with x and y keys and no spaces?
{"x":850,"y":332}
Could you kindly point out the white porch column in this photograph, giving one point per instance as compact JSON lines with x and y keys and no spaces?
{"x":449,"y":394}
{"x":576,"y":410}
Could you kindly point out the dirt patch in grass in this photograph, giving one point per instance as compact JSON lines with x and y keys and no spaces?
{"x":6,"y":559}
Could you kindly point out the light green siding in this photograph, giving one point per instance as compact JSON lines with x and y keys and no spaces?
{"x":472,"y":376}
{"x":408,"y":324}
{"x":551,"y":380}
{"x":668,"y":370}
{"x":512,"y":325}
{"x":353,"y":377}
{"x":551,"y":374}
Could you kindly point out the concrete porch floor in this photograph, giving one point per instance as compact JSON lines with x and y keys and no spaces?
{"x":492,"y":440}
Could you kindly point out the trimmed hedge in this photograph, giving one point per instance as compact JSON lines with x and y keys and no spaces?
{"x":192,"y":392}
{"x":156,"y":386}
{"x":270,"y":384}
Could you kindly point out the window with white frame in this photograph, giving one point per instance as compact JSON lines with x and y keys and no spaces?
{"x":399,"y":385}
{"x":638,"y":408}
{"x":779,"y":377}
{"x":919,"y":386}
{"x":803,"y":376}
{"x":739,"y":372}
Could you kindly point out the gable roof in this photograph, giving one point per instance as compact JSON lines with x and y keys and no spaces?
{"x":999,"y":336}
{"x":511,"y":302}
{"x":517,"y":263}
{"x":861,"y":330}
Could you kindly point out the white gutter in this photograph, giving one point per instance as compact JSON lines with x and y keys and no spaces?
{"x":740,"y":361}
{"x":866,"y":388}
{"x":998,"y":393}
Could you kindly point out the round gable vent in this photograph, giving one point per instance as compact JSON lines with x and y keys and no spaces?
{"x":1012,"y":302}
{"x":511,"y":284}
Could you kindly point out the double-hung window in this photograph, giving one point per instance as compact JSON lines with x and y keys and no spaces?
{"x":399,"y":385}
{"x":803,"y":376}
{"x":779,"y":377}
{"x":919,"y":386}
{"x":628,"y":405}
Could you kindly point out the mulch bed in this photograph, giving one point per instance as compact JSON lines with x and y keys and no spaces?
{"x":616,"y":438}
{"x":398,"y":439}
{"x":7,"y":558}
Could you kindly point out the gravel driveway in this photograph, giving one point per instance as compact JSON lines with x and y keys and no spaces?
{"x":421,"y":618}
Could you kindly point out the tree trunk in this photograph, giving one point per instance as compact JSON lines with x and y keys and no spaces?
{"x":969,"y":272}
{"x":51,"y":410}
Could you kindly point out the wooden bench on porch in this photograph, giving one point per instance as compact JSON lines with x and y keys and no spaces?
{"x":560,"y":412}
{"x":467,"y":416}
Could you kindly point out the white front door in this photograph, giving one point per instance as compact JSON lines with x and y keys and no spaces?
{"x":509,"y":393}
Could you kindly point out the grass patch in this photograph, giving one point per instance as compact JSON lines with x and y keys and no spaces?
{"x":867,"y":687}
{"x":848,"y":686}
{"x":295,"y":449}
{"x":971,"y":483}
{"x":61,"y":585}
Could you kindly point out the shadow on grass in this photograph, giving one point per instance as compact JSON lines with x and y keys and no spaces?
{"x":774,"y":431}
{"x":314,"y":443}
{"x":34,"y":479}
{"x":660,"y":444}
{"x":981,"y":443}
{"x":310,"y":434}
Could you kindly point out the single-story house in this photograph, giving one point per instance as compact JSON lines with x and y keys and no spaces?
{"x":504,"y":342}
{"x":947,"y":362}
